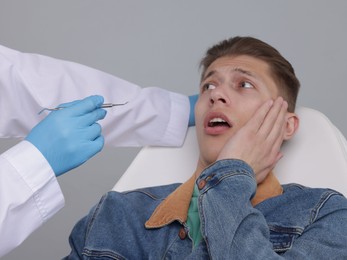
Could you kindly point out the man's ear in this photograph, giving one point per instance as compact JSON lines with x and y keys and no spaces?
{"x":292,"y":125}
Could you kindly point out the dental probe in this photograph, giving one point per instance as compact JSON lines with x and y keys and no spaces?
{"x":105,"y":105}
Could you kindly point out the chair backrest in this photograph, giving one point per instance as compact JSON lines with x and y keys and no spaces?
{"x":315,"y":157}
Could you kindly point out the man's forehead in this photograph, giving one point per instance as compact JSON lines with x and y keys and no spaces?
{"x":242,"y":64}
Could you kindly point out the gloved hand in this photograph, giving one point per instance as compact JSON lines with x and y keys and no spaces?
{"x":192,"y":101}
{"x":70,"y":136}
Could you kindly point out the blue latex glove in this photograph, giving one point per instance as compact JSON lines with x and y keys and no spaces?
{"x":70,"y":136}
{"x":192,"y":101}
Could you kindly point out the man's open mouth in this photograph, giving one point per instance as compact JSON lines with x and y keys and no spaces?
{"x":215,"y":122}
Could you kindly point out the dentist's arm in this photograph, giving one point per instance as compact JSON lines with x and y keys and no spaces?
{"x":29,"y":191}
{"x":28,"y":82}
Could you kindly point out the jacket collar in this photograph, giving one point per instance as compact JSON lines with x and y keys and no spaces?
{"x":176,"y":205}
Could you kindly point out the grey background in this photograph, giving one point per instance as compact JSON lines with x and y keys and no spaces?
{"x":159,"y":43}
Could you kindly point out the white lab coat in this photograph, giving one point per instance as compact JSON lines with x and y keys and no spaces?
{"x":29,"y":191}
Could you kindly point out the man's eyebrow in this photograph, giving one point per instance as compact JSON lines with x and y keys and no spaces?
{"x":208,"y":75}
{"x":240,"y":70}
{"x":246,"y":72}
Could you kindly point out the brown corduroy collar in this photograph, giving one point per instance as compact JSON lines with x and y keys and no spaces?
{"x":176,"y":205}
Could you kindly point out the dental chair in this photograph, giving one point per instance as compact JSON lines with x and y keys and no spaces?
{"x":315,"y":157}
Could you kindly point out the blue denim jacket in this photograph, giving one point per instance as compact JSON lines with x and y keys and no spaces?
{"x":303,"y":223}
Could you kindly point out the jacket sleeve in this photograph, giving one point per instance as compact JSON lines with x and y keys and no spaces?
{"x":232,"y":226}
{"x":29,"y":194}
{"x":29,"y":82}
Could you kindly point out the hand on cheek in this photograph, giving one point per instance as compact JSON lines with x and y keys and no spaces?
{"x":259,"y":141}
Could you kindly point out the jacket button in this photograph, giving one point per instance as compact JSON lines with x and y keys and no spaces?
{"x":201,"y":184}
{"x":182,"y":233}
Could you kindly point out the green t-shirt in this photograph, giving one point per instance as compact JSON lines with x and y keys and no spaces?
{"x":193,"y":220}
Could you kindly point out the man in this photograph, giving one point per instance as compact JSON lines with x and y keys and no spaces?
{"x":233,"y":206}
{"x":29,"y":191}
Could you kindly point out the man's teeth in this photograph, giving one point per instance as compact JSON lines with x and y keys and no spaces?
{"x":217,"y":120}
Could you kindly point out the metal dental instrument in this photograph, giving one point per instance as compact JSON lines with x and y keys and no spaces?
{"x":105,"y":105}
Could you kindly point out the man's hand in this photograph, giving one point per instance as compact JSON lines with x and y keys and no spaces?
{"x":258,"y":143}
{"x":70,"y":136}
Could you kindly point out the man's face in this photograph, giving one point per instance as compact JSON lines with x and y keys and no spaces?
{"x":232,"y":89}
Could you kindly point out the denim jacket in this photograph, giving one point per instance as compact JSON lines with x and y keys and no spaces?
{"x":302,"y":223}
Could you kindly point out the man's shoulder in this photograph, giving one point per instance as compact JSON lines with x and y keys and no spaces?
{"x":294,"y":189}
{"x":298,"y":202}
{"x":137,"y":205}
{"x":299,"y":207}
{"x":315,"y":197}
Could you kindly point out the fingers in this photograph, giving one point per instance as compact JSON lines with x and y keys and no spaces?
{"x":86,"y":111}
{"x":89,"y":110}
{"x":92,"y":142}
{"x":274,"y":124}
{"x":277,"y":131}
{"x":270,"y":134}
{"x":95,"y":146}
{"x":268,"y":121}
{"x":98,"y":144}
{"x":257,"y":120}
{"x":92,"y":132}
{"x":92,"y":117}
{"x":84,"y":106}
{"x":69,"y":104}
{"x":271,"y":118}
{"x":273,"y":130}
{"x":88,"y":150}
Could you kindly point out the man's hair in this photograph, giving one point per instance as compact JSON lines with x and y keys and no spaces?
{"x":281,"y":70}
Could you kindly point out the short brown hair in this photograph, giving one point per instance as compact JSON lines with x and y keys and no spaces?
{"x":280,"y":68}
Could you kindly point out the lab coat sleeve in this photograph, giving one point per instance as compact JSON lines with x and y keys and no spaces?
{"x":29,"y":194}
{"x":29,"y":82}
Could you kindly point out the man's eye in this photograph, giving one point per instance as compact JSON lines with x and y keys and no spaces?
{"x":246,"y":84}
{"x":208,"y":86}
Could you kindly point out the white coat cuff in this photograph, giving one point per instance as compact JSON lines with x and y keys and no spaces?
{"x":38,"y":175}
{"x":179,"y":118}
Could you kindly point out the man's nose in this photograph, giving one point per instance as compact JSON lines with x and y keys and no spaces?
{"x":217,"y":95}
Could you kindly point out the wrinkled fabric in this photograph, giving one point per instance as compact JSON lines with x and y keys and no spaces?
{"x":302,"y":223}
